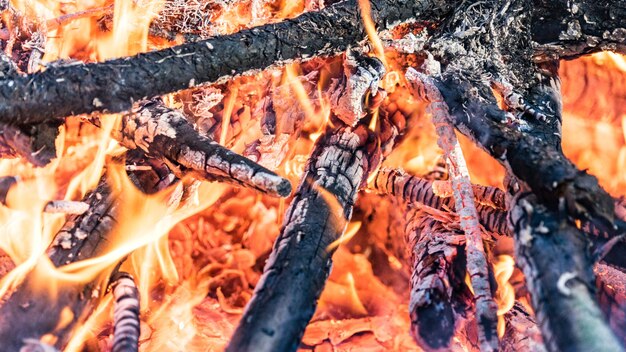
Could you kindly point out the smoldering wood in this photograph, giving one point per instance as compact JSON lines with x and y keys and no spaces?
{"x":611,"y":286}
{"x":126,"y":326}
{"x":163,"y":132}
{"x":562,"y":286}
{"x":440,"y":301}
{"x":521,"y":333}
{"x":582,"y":27}
{"x":285,"y":298}
{"x":30,"y":312}
{"x":114,"y":85}
{"x":492,"y":210}
{"x":433,"y":193}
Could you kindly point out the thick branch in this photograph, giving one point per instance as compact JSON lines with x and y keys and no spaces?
{"x":166,"y":133}
{"x":567,"y":29}
{"x":562,"y":286}
{"x":114,"y":85}
{"x":286,"y":296}
{"x":440,"y":301}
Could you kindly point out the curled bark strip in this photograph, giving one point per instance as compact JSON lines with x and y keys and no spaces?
{"x":562,"y":286}
{"x":126,"y":314}
{"x":164,"y":132}
{"x":286,"y":296}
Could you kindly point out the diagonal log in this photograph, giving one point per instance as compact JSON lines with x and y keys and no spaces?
{"x":29,"y":313}
{"x":286,"y":296}
{"x":163,"y":132}
{"x":114,"y":85}
{"x":562,"y":286}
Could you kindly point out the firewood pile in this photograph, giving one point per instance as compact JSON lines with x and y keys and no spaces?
{"x":312,"y":175}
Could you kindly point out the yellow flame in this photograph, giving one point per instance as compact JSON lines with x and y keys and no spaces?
{"x":503,"y":267}
{"x":370,"y":28}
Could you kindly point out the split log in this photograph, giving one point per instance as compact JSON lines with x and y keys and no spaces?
{"x":286,"y":296}
{"x":126,"y":313}
{"x":440,"y":301}
{"x":114,"y":85}
{"x":30,"y":312}
{"x":163,"y":132}
{"x":562,"y":286}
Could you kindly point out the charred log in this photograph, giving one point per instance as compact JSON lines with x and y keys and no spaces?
{"x":61,"y":91}
{"x":562,"y":286}
{"x":29,"y":313}
{"x":440,"y":301}
{"x":567,"y":29}
{"x":163,"y":132}
{"x":286,"y":296}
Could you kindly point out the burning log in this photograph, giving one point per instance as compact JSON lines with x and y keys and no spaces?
{"x":317,"y":217}
{"x":126,"y":313}
{"x":440,"y":300}
{"x":114,"y":85}
{"x":54,"y":206}
{"x":30,"y":312}
{"x":562,"y":286}
{"x":464,"y":203}
{"x":286,"y":296}
{"x":165,"y":133}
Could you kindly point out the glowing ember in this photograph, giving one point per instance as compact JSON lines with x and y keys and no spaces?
{"x":197,"y":251}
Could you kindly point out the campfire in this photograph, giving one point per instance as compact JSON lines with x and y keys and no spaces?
{"x":257,"y":175}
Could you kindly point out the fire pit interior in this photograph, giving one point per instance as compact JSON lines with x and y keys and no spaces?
{"x":310,"y":175}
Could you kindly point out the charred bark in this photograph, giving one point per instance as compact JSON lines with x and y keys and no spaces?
{"x":163,"y":132}
{"x":29,"y":312}
{"x":126,"y":314}
{"x":568,"y":29}
{"x":440,"y":301}
{"x":286,"y":296}
{"x":61,"y":91}
{"x":562,"y":286}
